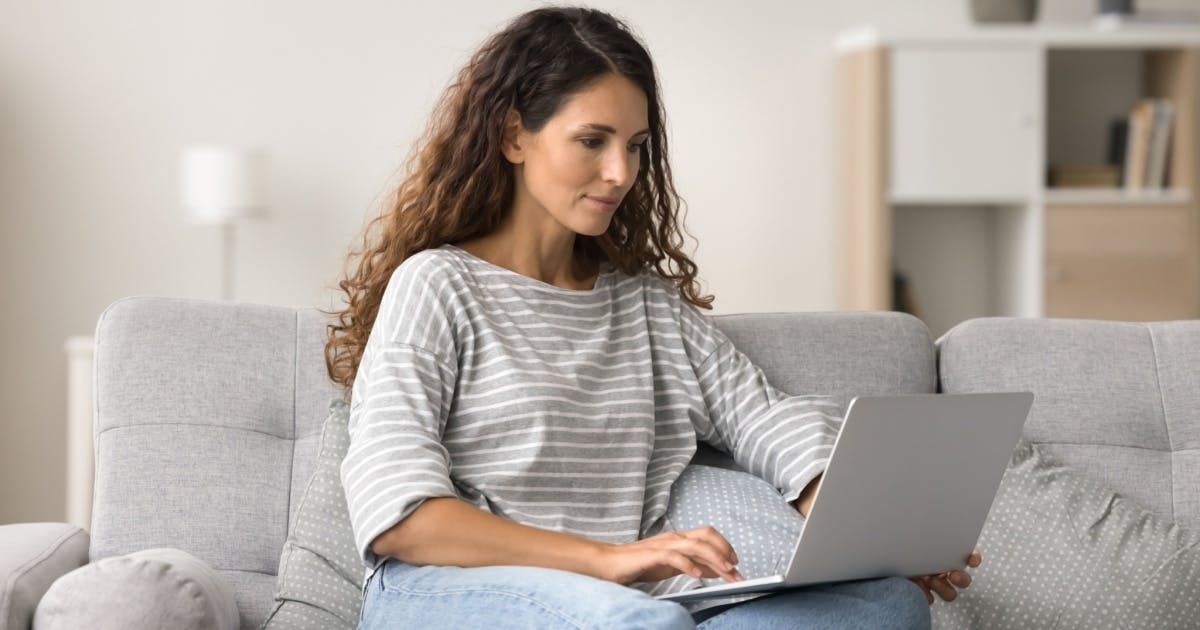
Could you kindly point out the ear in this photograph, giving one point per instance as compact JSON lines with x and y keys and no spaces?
{"x":510,"y":140}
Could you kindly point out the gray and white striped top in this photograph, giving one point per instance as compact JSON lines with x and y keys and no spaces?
{"x":569,"y":410}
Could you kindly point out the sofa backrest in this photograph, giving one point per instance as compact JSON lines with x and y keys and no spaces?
{"x":841,"y":355}
{"x":1118,"y":400}
{"x":207,"y":421}
{"x":208,"y":416}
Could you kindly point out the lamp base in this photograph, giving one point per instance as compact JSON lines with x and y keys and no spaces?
{"x":228,"y":263}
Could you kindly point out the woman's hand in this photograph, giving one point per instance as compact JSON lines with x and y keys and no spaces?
{"x":944,"y":583}
{"x":700,"y":552}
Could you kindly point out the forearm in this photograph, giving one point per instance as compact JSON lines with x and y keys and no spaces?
{"x":450,"y":532}
{"x":804,"y":501}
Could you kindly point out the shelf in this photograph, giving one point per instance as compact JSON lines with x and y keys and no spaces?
{"x":956,"y":200}
{"x":1041,"y":35}
{"x":948,"y":136}
{"x":1116,"y":196}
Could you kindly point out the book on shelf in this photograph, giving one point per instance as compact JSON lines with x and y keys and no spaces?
{"x":1143,"y":152}
{"x":1118,"y":133}
{"x":1160,"y":140}
{"x":1085,"y":176}
{"x":1136,"y":143}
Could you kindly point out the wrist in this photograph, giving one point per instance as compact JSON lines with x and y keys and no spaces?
{"x":595,"y":561}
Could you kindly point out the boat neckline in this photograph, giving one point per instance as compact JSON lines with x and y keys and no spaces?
{"x":607,"y":271}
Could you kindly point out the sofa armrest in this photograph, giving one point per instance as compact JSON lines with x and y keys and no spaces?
{"x":32,"y":557}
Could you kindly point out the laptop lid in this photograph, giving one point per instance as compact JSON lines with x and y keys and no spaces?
{"x":909,"y":485}
{"x":906,"y":492}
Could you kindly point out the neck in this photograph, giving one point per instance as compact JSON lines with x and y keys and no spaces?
{"x":550,"y":261}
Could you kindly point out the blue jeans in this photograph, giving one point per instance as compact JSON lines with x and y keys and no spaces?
{"x":398,"y":595}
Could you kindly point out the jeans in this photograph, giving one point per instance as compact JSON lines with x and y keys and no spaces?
{"x":398,"y":595}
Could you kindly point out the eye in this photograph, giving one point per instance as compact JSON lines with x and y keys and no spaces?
{"x":634,"y":148}
{"x":592,"y":143}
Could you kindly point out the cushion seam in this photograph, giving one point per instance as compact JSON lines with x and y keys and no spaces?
{"x":1162,"y":401}
{"x":188,"y":424}
{"x":321,"y":557}
{"x":245,"y":571}
{"x":1140,"y":448}
{"x":214,"y":568}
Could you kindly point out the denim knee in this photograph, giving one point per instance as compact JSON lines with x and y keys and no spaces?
{"x":905,"y":600}
{"x":647,"y":612}
{"x":509,"y":597}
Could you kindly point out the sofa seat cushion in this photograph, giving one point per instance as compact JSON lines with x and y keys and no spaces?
{"x":320,"y":575}
{"x":153,"y":588}
{"x":1062,"y":550}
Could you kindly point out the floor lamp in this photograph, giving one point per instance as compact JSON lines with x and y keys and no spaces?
{"x":220,"y":186}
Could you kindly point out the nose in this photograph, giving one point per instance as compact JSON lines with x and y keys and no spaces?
{"x":619,"y":166}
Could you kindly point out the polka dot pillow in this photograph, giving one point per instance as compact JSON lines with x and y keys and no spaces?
{"x":320,"y":575}
{"x":749,"y":512}
{"x":1061,"y":550}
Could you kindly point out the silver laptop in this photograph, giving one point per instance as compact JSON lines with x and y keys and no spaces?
{"x":908,"y":486}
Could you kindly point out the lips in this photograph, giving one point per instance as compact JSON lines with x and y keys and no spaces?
{"x":604,"y":203}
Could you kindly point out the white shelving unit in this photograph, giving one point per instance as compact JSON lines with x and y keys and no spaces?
{"x":945,"y":140}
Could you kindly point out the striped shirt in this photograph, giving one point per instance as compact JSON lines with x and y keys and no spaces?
{"x":569,"y":410}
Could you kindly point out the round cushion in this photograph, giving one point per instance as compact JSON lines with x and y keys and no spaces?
{"x":154,"y":588}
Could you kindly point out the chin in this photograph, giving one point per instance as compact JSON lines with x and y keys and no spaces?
{"x":597,"y":230}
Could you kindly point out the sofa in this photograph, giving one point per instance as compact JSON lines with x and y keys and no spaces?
{"x":208,"y":416}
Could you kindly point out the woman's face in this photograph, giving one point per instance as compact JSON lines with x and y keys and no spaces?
{"x":581,"y":164}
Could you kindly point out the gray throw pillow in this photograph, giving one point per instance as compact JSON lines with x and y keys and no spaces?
{"x":1061,"y":550}
{"x":153,"y":588}
{"x":320,"y":574}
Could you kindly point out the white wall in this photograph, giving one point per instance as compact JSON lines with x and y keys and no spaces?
{"x":96,"y":99}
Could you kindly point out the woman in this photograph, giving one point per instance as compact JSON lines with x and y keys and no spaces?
{"x":528,"y":378}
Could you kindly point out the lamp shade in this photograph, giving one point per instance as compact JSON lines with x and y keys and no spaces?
{"x":219,"y":185}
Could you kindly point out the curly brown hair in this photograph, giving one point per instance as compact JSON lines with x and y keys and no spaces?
{"x":457,"y":185}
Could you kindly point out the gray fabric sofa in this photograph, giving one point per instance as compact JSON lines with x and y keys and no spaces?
{"x":208,"y":416}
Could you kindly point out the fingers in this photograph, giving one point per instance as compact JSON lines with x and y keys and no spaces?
{"x":960,"y":579}
{"x":714,"y":537}
{"x":944,"y":584}
{"x":708,"y":549}
{"x":974,"y":559}
{"x":923,"y":582}
{"x":941,"y":586}
{"x":679,"y":561}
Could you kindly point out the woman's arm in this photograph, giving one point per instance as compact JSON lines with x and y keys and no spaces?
{"x":781,"y":438}
{"x":804,"y":502}
{"x":449,"y":531}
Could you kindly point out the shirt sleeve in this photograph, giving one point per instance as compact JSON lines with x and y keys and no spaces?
{"x":781,"y":438}
{"x":784,"y":439}
{"x":400,"y":402}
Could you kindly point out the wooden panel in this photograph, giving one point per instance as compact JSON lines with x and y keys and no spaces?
{"x":1131,"y":263}
{"x":1175,"y":74}
{"x":865,"y":217}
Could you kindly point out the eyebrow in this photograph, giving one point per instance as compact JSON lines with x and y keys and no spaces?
{"x":606,"y":128}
